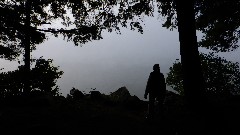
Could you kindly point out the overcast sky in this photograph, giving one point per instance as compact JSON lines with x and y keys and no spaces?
{"x":114,"y":61}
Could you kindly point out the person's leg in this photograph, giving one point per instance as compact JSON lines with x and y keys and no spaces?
{"x":151,"y":106}
{"x":160,"y":104}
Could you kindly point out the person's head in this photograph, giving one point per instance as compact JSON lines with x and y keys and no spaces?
{"x":156,"y":67}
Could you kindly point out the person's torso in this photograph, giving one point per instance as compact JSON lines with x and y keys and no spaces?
{"x":156,"y":82}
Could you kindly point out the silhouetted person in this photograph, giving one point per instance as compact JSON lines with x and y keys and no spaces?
{"x":156,"y":89}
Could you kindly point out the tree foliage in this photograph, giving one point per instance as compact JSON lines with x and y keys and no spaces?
{"x":13,"y":29}
{"x":89,"y":18}
{"x":220,"y":23}
{"x":222,"y":77}
{"x":85,"y":23}
{"x":218,"y":20}
{"x":43,"y":78}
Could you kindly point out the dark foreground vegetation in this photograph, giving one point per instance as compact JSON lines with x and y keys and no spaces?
{"x":116,"y":113}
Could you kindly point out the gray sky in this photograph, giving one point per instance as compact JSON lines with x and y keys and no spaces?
{"x":114,"y":61}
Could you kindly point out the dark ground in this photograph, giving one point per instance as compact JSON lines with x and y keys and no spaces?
{"x":101,"y":117}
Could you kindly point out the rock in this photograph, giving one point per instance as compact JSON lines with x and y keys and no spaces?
{"x":121,"y":95}
{"x":95,"y":95}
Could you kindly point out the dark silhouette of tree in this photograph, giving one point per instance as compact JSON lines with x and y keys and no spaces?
{"x":222,"y":77}
{"x":218,"y":20}
{"x":193,"y":82}
{"x":21,"y":23}
{"x":43,"y":78}
{"x":18,"y":30}
{"x":12,"y":29}
{"x":21,"y":28}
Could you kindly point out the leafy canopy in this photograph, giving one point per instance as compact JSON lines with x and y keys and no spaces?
{"x":43,"y":78}
{"x":84,"y":20}
{"x":218,"y":20}
{"x":13,"y":28}
{"x":222,"y":77}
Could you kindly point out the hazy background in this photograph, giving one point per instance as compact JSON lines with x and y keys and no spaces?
{"x":115,"y":61}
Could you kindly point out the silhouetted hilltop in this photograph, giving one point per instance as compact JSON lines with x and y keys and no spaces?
{"x":121,"y":95}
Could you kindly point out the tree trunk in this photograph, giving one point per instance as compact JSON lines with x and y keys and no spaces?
{"x":193,"y":82}
{"x":27,"y":55}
